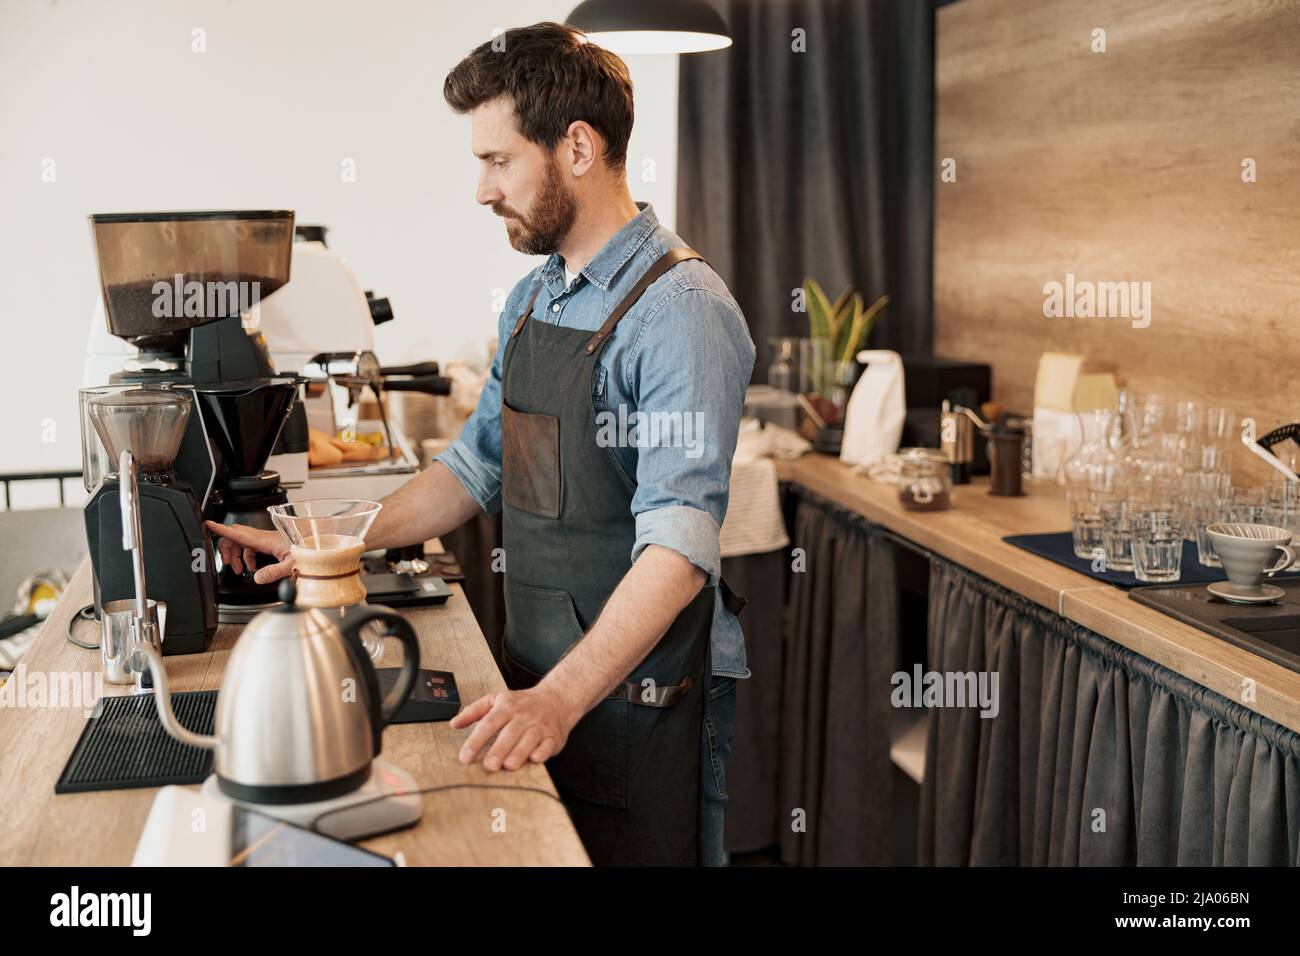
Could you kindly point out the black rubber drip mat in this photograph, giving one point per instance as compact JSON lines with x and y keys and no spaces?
{"x":124,"y":745}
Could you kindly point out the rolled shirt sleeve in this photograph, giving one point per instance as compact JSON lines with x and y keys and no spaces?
{"x":481,"y":478}
{"x":688,"y":374}
{"x":689,"y":531}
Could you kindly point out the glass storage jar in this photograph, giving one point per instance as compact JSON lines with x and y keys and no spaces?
{"x":924,"y":483}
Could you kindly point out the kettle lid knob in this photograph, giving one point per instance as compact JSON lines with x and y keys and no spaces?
{"x":288,"y":593}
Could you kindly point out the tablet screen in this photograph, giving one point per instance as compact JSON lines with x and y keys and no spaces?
{"x":259,"y":840}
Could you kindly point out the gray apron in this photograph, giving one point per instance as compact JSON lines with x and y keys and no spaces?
{"x":631,"y":773}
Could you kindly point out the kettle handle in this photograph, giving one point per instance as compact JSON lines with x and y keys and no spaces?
{"x":399,"y":627}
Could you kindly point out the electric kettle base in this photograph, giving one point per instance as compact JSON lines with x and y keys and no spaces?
{"x":354,"y":815}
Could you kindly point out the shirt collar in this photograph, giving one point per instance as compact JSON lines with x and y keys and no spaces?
{"x":614,"y":255}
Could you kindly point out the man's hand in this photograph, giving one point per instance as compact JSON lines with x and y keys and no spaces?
{"x":240,"y":545}
{"x":529,"y":725}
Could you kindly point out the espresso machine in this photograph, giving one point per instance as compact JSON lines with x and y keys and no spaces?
{"x":184,"y":289}
{"x":178,"y":558}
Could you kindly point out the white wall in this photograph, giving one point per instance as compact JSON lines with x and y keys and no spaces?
{"x":286,"y":90}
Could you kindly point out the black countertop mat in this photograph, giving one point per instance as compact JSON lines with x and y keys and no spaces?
{"x":1059,"y":547}
{"x":124,"y":745}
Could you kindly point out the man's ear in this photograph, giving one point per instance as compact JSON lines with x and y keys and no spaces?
{"x":582,"y":145}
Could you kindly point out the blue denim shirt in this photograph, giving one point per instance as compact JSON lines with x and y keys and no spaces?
{"x":683,"y":351}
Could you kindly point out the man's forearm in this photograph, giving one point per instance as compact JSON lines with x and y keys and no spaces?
{"x":431,"y":504}
{"x":641,"y":609}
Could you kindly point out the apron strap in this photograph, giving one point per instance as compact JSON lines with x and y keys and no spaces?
{"x":662,"y":265}
{"x":732,"y":601}
{"x":662,"y":696}
{"x":527,"y":312}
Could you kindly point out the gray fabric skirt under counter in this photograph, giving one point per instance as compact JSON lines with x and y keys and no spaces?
{"x":841,"y":646}
{"x":1097,"y":756}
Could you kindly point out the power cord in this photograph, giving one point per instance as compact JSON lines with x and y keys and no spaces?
{"x":81,"y":615}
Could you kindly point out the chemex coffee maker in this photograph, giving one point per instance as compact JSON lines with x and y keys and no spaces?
{"x":184,"y":289}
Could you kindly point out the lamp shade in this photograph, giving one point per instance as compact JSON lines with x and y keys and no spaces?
{"x":651,"y":26}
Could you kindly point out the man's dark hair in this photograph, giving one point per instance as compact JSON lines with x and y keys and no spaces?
{"x":555,"y":77}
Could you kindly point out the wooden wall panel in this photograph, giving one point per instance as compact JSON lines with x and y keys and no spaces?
{"x":1124,"y":166}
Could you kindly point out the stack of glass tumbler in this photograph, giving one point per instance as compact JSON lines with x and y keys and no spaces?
{"x":1155,"y":471}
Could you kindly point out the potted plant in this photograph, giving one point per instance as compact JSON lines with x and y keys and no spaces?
{"x":838,"y":330}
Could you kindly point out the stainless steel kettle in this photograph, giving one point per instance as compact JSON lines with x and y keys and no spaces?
{"x":299,"y":714}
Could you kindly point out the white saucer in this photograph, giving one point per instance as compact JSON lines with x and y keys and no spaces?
{"x":1264,"y":594}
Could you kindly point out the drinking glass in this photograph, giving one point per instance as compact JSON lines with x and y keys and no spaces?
{"x":1202,"y":487}
{"x":1117,"y":532}
{"x":1283,"y":505}
{"x":1158,"y":545}
{"x":1205,"y":513}
{"x":1250,"y":506}
{"x":1085,"y":520}
{"x":1213,"y":424}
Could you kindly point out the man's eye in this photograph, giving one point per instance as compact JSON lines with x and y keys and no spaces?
{"x":498,"y":163}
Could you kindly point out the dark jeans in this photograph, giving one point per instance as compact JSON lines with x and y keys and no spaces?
{"x":719,"y":723}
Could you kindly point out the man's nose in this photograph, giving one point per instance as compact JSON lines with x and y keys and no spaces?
{"x":488,"y":194}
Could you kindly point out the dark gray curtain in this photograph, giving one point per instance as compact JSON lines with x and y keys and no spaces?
{"x":751,"y":818}
{"x":473,"y":543}
{"x":817,"y":163}
{"x":1086,"y":727}
{"x":841,"y":646}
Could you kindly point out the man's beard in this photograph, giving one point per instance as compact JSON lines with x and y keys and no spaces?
{"x":549,"y":221}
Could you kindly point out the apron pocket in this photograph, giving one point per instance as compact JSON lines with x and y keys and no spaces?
{"x":541,"y":625}
{"x":593,"y":764}
{"x":530,"y":462}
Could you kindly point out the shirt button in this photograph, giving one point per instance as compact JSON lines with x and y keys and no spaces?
{"x":556,"y":307}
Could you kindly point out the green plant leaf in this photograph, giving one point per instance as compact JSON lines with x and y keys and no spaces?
{"x":863,"y":320}
{"x":841,"y":319}
{"x":848,"y":317}
{"x":819,"y":310}
{"x":838,"y":306}
{"x":843,"y":323}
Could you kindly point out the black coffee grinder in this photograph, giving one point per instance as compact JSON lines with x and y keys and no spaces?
{"x":243,"y":420}
{"x":178,"y":558}
{"x":184,"y":289}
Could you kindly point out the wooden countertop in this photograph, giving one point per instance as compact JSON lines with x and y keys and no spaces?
{"x":101,"y":829}
{"x":970,"y":534}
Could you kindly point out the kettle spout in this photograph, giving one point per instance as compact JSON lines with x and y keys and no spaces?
{"x":163,"y":700}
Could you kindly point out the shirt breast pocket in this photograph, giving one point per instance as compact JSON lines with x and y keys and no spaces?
{"x":599,"y":385}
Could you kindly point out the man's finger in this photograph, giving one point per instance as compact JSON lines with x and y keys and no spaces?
{"x":273,"y":572}
{"x":241,"y":534}
{"x":518,"y":756}
{"x":471,"y":713}
{"x":486,"y":729}
{"x":544,"y":751}
{"x":505,"y":743}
